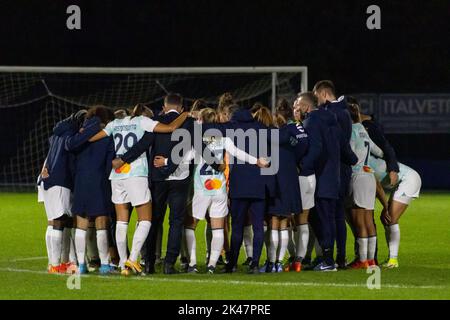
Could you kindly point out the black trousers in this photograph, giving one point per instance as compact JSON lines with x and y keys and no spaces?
{"x":173,"y":194}
{"x":239,"y":210}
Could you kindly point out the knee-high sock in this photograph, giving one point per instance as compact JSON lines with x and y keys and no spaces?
{"x":216,"y":246}
{"x":121,"y":241}
{"x":371,"y":247}
{"x":208,"y":238}
{"x":103,"y":246}
{"x":318,"y":248}
{"x":292,"y":241}
{"x":65,"y":250}
{"x":248,"y":241}
{"x":80,"y":244}
{"x":48,"y":242}
{"x":284,"y":240}
{"x":72,"y":251}
{"x":191,"y":245}
{"x":394,"y":240}
{"x":302,"y":240}
{"x":363,"y":248}
{"x":267,"y":241}
{"x":140,"y":234}
{"x":56,"y":247}
{"x":274,"y":241}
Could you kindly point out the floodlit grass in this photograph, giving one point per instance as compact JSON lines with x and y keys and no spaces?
{"x":424,"y":271}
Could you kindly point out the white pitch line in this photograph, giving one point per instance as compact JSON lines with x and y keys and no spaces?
{"x":30,"y":259}
{"x":233,"y":282}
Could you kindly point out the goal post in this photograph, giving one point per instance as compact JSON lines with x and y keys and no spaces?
{"x":34,"y":98}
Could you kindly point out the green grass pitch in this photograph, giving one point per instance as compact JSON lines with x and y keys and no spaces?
{"x":424,"y":271}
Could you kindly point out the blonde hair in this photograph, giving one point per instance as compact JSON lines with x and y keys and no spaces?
{"x":207,"y":115}
{"x":264,"y":116}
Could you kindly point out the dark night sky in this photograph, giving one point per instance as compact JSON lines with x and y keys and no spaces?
{"x":409,"y":54}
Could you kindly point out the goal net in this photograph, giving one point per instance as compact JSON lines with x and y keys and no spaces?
{"x":34,"y":99}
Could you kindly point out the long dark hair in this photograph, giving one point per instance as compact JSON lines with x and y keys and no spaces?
{"x":105,"y":114}
{"x":284,"y":109}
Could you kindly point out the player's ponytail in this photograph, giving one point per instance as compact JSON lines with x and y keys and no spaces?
{"x":264,"y":116}
{"x":207,"y":115}
{"x":138,"y":110}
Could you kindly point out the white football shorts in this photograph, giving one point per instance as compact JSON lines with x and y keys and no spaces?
{"x":57,"y":201}
{"x":307,"y":190}
{"x":132,"y":190}
{"x":408,"y":188}
{"x":216,"y":205}
{"x":363,"y":189}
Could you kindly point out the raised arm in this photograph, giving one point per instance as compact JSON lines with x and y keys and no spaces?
{"x":139,"y":148}
{"x":238,"y":153}
{"x":88,"y":131}
{"x":100,"y":135}
{"x":375,"y":150}
{"x":175,"y":124}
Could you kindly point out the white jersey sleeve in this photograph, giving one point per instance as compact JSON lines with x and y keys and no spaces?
{"x":109,"y":128}
{"x":148,"y":124}
{"x":374,"y":149}
{"x":238,"y":153}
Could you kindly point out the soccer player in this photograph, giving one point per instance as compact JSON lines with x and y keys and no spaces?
{"x":92,"y":190}
{"x":363,"y":190}
{"x":129,"y":183}
{"x":288,"y":200}
{"x":55,"y":184}
{"x":305,"y":103}
{"x":407,"y":189}
{"x":375,"y":131}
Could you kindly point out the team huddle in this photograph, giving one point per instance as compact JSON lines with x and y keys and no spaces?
{"x":290,"y":181}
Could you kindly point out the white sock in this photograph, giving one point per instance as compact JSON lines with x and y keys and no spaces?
{"x":302,"y":240}
{"x":80,"y":244}
{"x":292,"y":241}
{"x":121,"y":241}
{"x":284,"y":240}
{"x":65,"y":250}
{"x":394,"y":240}
{"x":248,"y":241}
{"x":48,"y":242}
{"x":318,"y":248}
{"x":362,"y":243}
{"x":274,"y":240}
{"x":140,"y":234}
{"x":371,"y":247}
{"x":56,"y":247}
{"x":217,"y":241}
{"x":192,"y":246}
{"x":102,"y":245}
{"x":72,"y":251}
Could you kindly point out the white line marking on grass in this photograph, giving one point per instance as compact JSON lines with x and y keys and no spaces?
{"x":232,"y":282}
{"x":30,"y":259}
